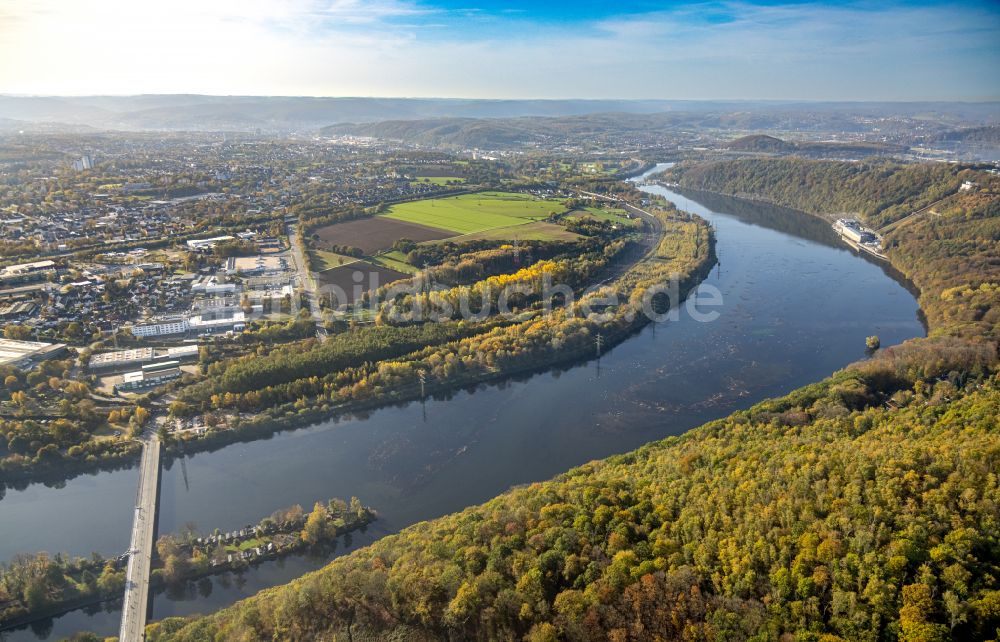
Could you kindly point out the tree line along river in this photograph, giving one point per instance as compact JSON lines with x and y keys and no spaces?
{"x":797,"y":305}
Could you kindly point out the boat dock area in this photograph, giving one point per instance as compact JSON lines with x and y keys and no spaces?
{"x":859,"y":237}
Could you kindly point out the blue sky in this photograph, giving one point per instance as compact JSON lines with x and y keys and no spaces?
{"x":928,"y":50}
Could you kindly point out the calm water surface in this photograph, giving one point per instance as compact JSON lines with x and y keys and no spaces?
{"x":798,"y":305}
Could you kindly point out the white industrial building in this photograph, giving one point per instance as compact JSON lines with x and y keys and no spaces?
{"x":161,"y":327}
{"x":121,"y":359}
{"x":208,"y":244}
{"x":24,"y":354}
{"x":151,"y":375}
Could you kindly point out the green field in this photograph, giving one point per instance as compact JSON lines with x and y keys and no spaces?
{"x":438,"y":180}
{"x":613,"y":214}
{"x":323,"y":260}
{"x":470,"y":213}
{"x":537,"y":231}
{"x":609,"y":214}
{"x":394,"y":260}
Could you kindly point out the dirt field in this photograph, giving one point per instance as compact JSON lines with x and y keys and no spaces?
{"x":376,"y":234}
{"x":372,"y":276}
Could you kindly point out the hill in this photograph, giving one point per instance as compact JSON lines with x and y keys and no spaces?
{"x":974,"y":135}
{"x":511,"y":133}
{"x":622,"y":129}
{"x":764,"y":144}
{"x":760,"y":143}
{"x":861,"y":507}
{"x":283,"y":113}
{"x":880,"y":191}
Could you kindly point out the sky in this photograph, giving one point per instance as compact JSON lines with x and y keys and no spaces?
{"x":881,"y":50}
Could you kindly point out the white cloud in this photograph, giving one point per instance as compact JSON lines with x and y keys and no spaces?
{"x":389,"y":47}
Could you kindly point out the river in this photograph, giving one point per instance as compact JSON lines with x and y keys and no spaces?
{"x":798,"y":305}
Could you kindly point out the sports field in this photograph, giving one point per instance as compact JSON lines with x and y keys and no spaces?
{"x":469,"y":213}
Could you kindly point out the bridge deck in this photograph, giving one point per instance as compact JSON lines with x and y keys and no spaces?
{"x":136,"y":603}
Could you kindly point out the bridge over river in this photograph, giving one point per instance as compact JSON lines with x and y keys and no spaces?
{"x":135,"y":608}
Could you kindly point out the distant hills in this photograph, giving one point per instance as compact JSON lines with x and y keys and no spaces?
{"x":763,"y":144}
{"x":176,"y":112}
{"x":614,"y":129}
{"x":974,"y":135}
{"x":247,"y":113}
{"x":760,"y":143}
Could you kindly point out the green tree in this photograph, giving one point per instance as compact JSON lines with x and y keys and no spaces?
{"x":17,"y":332}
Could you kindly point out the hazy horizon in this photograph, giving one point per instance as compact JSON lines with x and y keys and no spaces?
{"x":777,"y":101}
{"x":786,"y":51}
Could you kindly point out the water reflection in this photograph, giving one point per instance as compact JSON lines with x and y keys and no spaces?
{"x":798,"y":305}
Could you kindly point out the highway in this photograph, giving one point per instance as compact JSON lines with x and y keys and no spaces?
{"x":305,"y":279}
{"x":136,"y":603}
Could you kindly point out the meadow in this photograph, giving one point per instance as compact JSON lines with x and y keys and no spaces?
{"x":609,"y":214}
{"x":537,"y":231}
{"x":471,"y":213}
{"x":438,"y":180}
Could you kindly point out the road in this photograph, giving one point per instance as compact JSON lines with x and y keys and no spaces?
{"x":305,"y":279}
{"x":136,"y":603}
{"x":654,"y":233}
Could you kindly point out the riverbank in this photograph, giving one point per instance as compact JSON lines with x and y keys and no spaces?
{"x":768,"y":519}
{"x":691,"y":269}
{"x":663,"y":261}
{"x":39,"y":587}
{"x":418,"y":461}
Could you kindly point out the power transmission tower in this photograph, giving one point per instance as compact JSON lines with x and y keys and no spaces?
{"x":422,"y":375}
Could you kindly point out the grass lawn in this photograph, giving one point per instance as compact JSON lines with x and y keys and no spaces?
{"x":537,"y":231}
{"x":324,"y":260}
{"x":470,"y":213}
{"x":107,"y":432}
{"x":394,"y":260}
{"x":438,"y":180}
{"x":610,"y":214}
{"x":613,"y":214}
{"x":244,"y":545}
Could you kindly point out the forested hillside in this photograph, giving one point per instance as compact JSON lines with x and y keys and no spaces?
{"x":949,"y":252}
{"x":863,"y":507}
{"x":881,"y":191}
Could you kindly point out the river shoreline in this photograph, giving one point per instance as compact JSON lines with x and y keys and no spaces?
{"x":354,"y":452}
{"x":280,"y":421}
{"x":275,"y":541}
